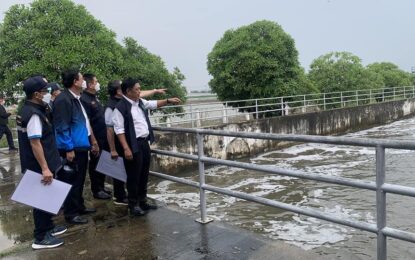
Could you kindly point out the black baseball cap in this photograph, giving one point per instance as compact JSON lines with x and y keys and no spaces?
{"x":54,"y":86}
{"x":34,"y":84}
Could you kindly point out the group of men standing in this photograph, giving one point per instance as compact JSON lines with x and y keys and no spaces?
{"x":61,"y":143}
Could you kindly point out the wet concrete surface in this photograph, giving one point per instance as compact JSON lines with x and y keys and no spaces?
{"x":112,"y":234}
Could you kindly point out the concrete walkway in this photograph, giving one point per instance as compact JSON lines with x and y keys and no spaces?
{"x":112,"y":234}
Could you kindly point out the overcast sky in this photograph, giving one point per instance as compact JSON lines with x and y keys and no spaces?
{"x":183,"y":32}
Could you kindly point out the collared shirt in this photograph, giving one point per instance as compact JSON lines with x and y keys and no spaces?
{"x":88,"y":125}
{"x":139,"y":118}
{"x":108,"y":117}
{"x":34,"y":127}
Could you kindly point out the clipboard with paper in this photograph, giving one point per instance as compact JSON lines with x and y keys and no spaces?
{"x":32,"y":192}
{"x":112,"y":168}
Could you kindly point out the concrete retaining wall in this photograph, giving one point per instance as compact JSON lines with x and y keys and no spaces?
{"x":329,"y":122}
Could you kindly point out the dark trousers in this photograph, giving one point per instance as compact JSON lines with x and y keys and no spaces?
{"x":43,"y":223}
{"x":137,"y":173}
{"x":97,"y":178}
{"x":74,"y":202}
{"x":119,"y":191}
{"x":4,"y":129}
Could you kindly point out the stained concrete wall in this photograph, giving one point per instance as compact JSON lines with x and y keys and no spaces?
{"x":329,"y":122}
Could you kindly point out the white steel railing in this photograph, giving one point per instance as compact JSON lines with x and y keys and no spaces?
{"x":214,"y":113}
{"x":379,"y":186}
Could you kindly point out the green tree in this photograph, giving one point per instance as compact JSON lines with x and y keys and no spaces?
{"x":256,"y":61}
{"x":342,"y":71}
{"x":150,"y":69}
{"x":51,"y":35}
{"x":390,"y":74}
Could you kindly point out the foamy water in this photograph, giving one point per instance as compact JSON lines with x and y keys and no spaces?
{"x":339,"y":201}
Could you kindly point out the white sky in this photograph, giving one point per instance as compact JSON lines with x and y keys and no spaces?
{"x":183,"y":32}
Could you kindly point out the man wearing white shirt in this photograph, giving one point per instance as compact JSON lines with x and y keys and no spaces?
{"x":133,"y":129}
{"x":74,"y":138}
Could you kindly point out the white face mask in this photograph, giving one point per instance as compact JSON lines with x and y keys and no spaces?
{"x":83,"y":85}
{"x":97,"y":87}
{"x":46,"y":98}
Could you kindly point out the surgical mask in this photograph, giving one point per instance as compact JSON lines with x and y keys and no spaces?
{"x":46,"y":98}
{"x":83,"y":85}
{"x":97,"y":87}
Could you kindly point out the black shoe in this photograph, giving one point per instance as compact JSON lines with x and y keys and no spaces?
{"x":137,"y":211}
{"x":77,"y":220}
{"x":123,"y":202}
{"x":87,"y":211}
{"x":107,"y":191}
{"x":13,"y":149}
{"x":147,"y":205}
{"x":102,"y":195}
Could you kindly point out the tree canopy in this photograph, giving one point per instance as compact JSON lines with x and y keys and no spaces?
{"x":50,"y":36}
{"x":391,"y":75}
{"x":342,"y":71}
{"x":255,"y":61}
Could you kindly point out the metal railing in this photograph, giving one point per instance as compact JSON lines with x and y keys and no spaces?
{"x":379,"y":186}
{"x":214,"y":113}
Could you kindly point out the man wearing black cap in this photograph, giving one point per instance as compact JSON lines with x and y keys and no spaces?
{"x":74,"y":138}
{"x":4,"y":120}
{"x":38,"y":153}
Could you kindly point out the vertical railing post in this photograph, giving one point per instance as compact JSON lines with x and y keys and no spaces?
{"x":304,"y":110}
{"x":380,"y":203}
{"x":191,"y":116}
{"x":341,"y":99}
{"x":404,"y":94}
{"x":394,"y":93}
{"x":324,"y":101}
{"x":370,"y":96}
{"x":225,"y":114}
{"x":256,"y":108}
{"x":413,"y":90}
{"x":383,"y":95}
{"x":282,"y":105}
{"x":203,"y":218}
{"x":198,"y":117}
{"x":357,"y":97}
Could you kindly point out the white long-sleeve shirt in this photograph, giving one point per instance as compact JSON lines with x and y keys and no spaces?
{"x":139,"y":118}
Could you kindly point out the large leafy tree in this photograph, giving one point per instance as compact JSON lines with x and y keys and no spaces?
{"x":391,"y":75}
{"x":49,"y":36}
{"x":150,"y":69}
{"x":52,"y":35}
{"x":342,"y":71}
{"x":256,"y":61}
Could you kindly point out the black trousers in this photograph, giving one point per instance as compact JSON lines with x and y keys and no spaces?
{"x":119,"y":190}
{"x":74,"y":203}
{"x":137,"y":173}
{"x":43,"y":223}
{"x":4,"y":129}
{"x":97,"y":178}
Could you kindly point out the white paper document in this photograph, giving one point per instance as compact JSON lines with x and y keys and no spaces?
{"x":32,"y":192}
{"x":110,"y":167}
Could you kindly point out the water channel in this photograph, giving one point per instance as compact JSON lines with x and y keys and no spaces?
{"x":344,"y":202}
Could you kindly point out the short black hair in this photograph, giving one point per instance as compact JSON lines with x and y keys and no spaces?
{"x":128,"y":83}
{"x":113,"y":86}
{"x":68,"y":77}
{"x":89,"y":77}
{"x":1,"y":96}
